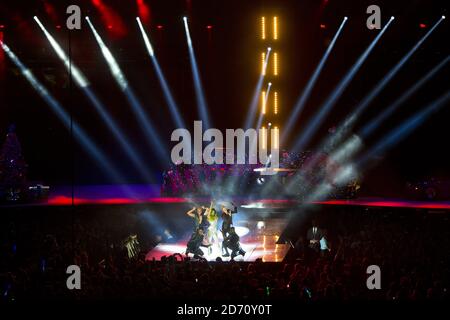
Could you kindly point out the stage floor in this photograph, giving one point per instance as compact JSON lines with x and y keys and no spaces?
{"x":260,"y":222}
{"x":138,"y":194}
{"x":258,"y":239}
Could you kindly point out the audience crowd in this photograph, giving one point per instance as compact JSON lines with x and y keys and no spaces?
{"x":411,"y":249}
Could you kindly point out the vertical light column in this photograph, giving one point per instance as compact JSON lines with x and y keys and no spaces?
{"x":263,"y":63}
{"x":275,"y":102}
{"x":275,"y":64}
{"x":263,"y":138}
{"x":270,"y":69}
{"x":263,"y":28}
{"x":275,"y":28}
{"x":276,"y":138}
{"x":263,"y":102}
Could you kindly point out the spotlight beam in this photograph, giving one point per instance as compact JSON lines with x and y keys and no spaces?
{"x":342,"y":130}
{"x":329,"y":103}
{"x":341,"y":177}
{"x":174,"y":110}
{"x":337,"y":92}
{"x":199,"y":93}
{"x":308,"y":89}
{"x":405,"y":128}
{"x":93,"y":150}
{"x":384,"y":144}
{"x":83,"y":83}
{"x":266,"y":98}
{"x":370,"y":127}
{"x":147,"y":126}
{"x":261,"y":115}
{"x":256,"y":94}
{"x":76,"y":73}
{"x":234,"y":180}
{"x":354,"y":143}
{"x":382,"y":84}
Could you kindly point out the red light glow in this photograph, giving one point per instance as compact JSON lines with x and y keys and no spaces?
{"x":143,"y":11}
{"x":65,"y":201}
{"x":51,"y":11}
{"x":388,"y":203}
{"x":110,"y":19}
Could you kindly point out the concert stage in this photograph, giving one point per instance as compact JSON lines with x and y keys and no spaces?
{"x":141,"y":194}
{"x":259,"y":241}
{"x":260,"y":223}
{"x":149,"y":195}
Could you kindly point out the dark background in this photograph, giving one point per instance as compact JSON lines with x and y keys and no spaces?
{"x":228,"y":55}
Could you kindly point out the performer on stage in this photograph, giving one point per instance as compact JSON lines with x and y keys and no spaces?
{"x":204,"y":225}
{"x":213,"y":219}
{"x":232,"y":242}
{"x":197,"y":214}
{"x":193,"y":245}
{"x":227,"y":223}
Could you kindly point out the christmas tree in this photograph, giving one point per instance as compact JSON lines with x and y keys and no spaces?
{"x":12,"y":165}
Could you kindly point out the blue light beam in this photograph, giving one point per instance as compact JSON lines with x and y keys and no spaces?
{"x":261,"y":115}
{"x":174,"y":110}
{"x":199,"y":93}
{"x":256,"y":94}
{"x":382,"y":84}
{"x":146,"y":124}
{"x":375,"y":123}
{"x":337,"y":92}
{"x":80,"y":135}
{"x":308,"y":89}
{"x":83,"y":83}
{"x":405,"y":128}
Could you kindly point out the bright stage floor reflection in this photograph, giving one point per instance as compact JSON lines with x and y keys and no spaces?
{"x":256,"y":242}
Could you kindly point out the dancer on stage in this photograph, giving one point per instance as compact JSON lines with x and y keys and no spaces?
{"x":196,"y":213}
{"x":193,"y":245}
{"x":213,"y":219}
{"x":200,"y":216}
{"x":227,"y":223}
{"x":232,"y":242}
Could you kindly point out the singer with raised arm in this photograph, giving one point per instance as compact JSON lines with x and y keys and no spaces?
{"x":196,"y":213}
